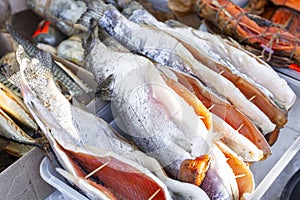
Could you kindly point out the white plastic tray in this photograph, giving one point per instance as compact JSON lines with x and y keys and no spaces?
{"x":282,"y":163}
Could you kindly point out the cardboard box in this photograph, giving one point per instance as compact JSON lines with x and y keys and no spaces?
{"x":22,"y":179}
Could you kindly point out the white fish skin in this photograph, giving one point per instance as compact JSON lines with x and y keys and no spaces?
{"x":237,"y":60}
{"x":166,"y":50}
{"x":143,"y":93}
{"x":236,"y":141}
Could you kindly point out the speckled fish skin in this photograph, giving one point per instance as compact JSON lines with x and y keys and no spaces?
{"x":144,"y":116}
{"x":38,"y":77}
{"x":166,"y":50}
{"x":73,"y":88}
{"x":9,"y":69}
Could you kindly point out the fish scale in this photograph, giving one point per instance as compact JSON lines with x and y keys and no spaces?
{"x":59,"y":73}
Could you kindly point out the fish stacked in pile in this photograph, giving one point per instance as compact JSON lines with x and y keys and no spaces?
{"x":19,"y":131}
{"x":16,"y":122}
{"x":194,"y":110}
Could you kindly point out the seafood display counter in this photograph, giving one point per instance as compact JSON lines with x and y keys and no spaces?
{"x":121,"y":97}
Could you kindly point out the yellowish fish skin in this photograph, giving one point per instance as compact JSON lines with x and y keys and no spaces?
{"x":14,"y":107}
{"x":10,"y":130}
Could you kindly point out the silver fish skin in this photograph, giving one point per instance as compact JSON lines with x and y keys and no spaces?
{"x":61,"y":142}
{"x":136,"y":106}
{"x":98,"y":136}
{"x":220,"y":182}
{"x":63,"y":13}
{"x":238,"y":61}
{"x":166,"y":50}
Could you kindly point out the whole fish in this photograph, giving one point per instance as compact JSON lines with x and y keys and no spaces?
{"x":221,"y":57}
{"x":106,"y":173}
{"x":88,"y":139}
{"x":166,"y":50}
{"x":72,"y":85}
{"x":145,"y":92}
{"x":134,"y":121}
{"x":244,"y":147}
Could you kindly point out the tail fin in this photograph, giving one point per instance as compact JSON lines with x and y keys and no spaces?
{"x":29,"y":48}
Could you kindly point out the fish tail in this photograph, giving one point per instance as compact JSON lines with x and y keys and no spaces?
{"x":30,"y":49}
{"x":103,"y":90}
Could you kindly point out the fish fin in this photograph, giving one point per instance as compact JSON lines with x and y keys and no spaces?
{"x":29,"y":48}
{"x":103,"y":90}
